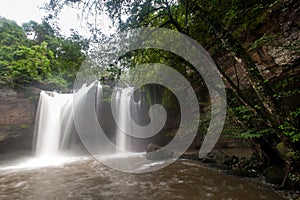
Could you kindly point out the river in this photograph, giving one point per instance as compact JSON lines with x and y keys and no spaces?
{"x":88,"y":179}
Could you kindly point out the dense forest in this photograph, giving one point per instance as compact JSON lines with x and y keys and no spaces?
{"x":37,"y":54}
{"x":255,"y":45}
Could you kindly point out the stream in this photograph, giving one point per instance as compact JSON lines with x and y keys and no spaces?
{"x":87,"y":178}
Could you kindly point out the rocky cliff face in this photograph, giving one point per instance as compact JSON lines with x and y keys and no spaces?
{"x":278,"y":58}
{"x":274,"y":45}
{"x":280,"y":54}
{"x":17,"y":108}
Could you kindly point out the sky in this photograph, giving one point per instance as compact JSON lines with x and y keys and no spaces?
{"x":21,"y":10}
{"x":25,"y":10}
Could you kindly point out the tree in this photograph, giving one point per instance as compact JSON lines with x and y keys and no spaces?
{"x":11,"y":36}
{"x":221,"y":27}
{"x":44,"y":57}
{"x":38,"y":33}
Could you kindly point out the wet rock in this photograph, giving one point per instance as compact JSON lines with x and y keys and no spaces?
{"x":156,"y":152}
{"x":254,"y":163}
{"x":152,"y":147}
{"x":220,"y":166}
{"x":243,"y":173}
{"x":234,"y":165}
{"x":274,"y":174}
{"x":190,"y":156}
{"x":227,"y":160}
{"x":208,"y":160}
{"x":234,"y":159}
{"x":244,"y":163}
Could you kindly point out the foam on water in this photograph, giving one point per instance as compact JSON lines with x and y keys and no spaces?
{"x":39,"y":162}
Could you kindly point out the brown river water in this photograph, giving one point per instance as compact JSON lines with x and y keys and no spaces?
{"x":89,"y":179}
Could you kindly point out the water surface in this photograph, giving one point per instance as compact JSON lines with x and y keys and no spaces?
{"x":89,"y":179}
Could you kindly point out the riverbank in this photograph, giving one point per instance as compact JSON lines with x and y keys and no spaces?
{"x":239,"y":162}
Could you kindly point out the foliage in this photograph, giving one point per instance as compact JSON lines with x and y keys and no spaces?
{"x":263,"y":40}
{"x":289,"y":130}
{"x":37,"y":54}
{"x":29,"y":64}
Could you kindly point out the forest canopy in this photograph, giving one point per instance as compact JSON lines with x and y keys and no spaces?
{"x":36,"y":53}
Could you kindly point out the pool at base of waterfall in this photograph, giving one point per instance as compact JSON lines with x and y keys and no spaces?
{"x":87,"y":178}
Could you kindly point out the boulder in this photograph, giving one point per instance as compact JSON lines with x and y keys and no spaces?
{"x":274,"y":174}
{"x":156,"y":152}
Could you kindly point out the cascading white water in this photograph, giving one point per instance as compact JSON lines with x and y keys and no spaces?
{"x":99,"y":96}
{"x":54,"y":121}
{"x":123,"y":103}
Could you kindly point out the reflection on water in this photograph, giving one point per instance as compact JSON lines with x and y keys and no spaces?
{"x":89,"y":179}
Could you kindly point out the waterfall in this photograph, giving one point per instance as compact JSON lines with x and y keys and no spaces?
{"x":123,"y":103}
{"x":52,"y":122}
{"x":55,"y":122}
